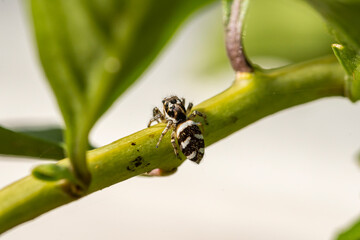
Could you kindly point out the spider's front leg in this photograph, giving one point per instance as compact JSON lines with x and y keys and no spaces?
{"x":197,"y":113}
{"x":173,"y":143}
{"x":188,"y":110}
{"x":157,"y":115}
{"x":183,"y":101}
{"x":169,"y":124}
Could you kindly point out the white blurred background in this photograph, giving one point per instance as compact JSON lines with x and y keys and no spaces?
{"x":292,"y":175}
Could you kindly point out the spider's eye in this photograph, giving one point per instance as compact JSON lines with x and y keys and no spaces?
{"x":173,"y":101}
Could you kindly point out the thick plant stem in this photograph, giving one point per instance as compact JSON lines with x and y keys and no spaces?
{"x":251,"y":97}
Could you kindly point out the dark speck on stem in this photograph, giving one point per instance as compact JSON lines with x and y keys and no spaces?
{"x":137,"y":162}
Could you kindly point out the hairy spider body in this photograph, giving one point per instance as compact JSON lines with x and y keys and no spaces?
{"x":191,"y":140}
{"x":185,"y":130}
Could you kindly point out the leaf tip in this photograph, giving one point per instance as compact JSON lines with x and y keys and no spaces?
{"x":337,"y":46}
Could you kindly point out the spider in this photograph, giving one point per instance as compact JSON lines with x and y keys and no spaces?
{"x":185,"y":130}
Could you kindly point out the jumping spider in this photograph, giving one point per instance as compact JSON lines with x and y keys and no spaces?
{"x":185,"y":130}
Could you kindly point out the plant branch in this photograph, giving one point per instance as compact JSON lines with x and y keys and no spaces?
{"x":77,"y":144}
{"x":253,"y":96}
{"x":234,"y":23}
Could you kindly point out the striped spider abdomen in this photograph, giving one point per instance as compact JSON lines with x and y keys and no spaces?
{"x":191,"y":140}
{"x":185,"y":130}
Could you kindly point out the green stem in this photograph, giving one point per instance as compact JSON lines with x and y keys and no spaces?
{"x":234,"y":14}
{"x":77,"y":145}
{"x":252,"y":97}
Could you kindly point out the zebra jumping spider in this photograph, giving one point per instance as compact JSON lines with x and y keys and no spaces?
{"x":185,"y":130}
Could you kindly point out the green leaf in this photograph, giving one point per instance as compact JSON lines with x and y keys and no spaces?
{"x":353,"y":233}
{"x":267,"y":36}
{"x":53,"y":172}
{"x":30,"y":143}
{"x":92,"y":51}
{"x":347,"y":57}
{"x":51,"y":134}
{"x":48,"y":133}
{"x":350,"y":60}
{"x":343,"y":19}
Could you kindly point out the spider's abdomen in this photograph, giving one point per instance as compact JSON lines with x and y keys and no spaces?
{"x":191,"y":140}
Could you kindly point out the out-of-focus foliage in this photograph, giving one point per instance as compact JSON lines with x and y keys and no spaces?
{"x":285,"y":30}
{"x":352,"y":233}
{"x":92,"y":51}
{"x":39,"y":143}
{"x":350,"y":60}
{"x":343,"y":18}
{"x":53,"y":172}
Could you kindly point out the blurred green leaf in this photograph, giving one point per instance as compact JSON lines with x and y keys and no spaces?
{"x":280,"y":31}
{"x":51,"y":134}
{"x":350,"y":60}
{"x":40,"y":143}
{"x":343,"y":19}
{"x":285,"y":29}
{"x":92,"y":51}
{"x":353,"y":233}
{"x":347,"y":58}
{"x":52,"y":172}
